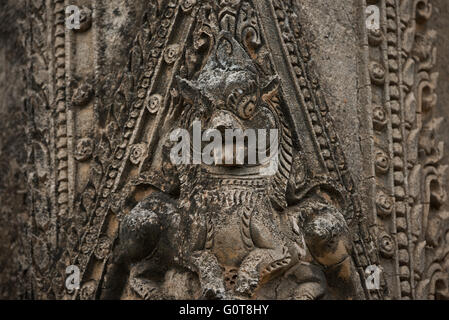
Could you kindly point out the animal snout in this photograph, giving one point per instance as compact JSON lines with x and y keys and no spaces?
{"x":222,"y":121}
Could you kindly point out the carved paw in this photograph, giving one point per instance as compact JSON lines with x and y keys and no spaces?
{"x":143,"y":288}
{"x":213,"y":293}
{"x":247,"y":284}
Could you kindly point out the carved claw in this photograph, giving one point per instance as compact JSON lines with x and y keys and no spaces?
{"x":247,"y":284}
{"x":142,"y":287}
{"x":206,"y":265}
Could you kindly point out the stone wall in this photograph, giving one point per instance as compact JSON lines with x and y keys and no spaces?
{"x":86,"y":179}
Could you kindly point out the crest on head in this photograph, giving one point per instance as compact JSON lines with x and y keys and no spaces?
{"x":229,"y":80}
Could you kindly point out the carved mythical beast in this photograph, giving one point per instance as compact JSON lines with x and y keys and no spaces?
{"x":228,"y":231}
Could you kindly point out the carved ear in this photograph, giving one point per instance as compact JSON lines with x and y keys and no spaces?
{"x":271,"y":85}
{"x":187,"y":89}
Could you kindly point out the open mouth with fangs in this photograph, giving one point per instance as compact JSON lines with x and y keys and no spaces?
{"x":239,"y":154}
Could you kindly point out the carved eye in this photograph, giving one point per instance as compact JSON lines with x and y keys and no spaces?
{"x":246,"y":107}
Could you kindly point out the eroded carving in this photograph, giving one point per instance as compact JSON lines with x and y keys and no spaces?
{"x":230,"y":225}
{"x":140,"y":226}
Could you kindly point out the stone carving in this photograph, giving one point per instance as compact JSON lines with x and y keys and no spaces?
{"x":224,"y":223}
{"x":415,"y":261}
{"x":236,"y":231}
{"x":104,"y":195}
{"x":84,"y":149}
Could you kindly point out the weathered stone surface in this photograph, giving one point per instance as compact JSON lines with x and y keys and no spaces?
{"x":88,"y":177}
